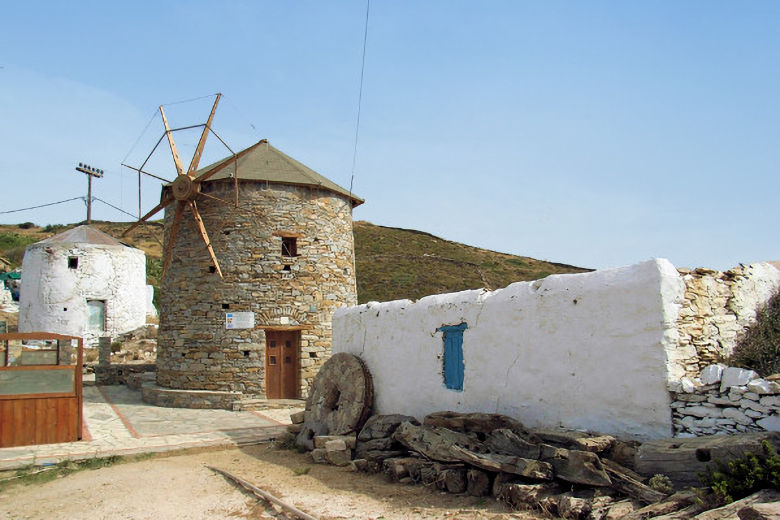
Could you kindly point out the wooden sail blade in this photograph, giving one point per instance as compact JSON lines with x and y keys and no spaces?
{"x":174,"y":151}
{"x":204,"y":235}
{"x":172,"y":237}
{"x":226,"y":163}
{"x":199,"y":150}
{"x":143,"y":219}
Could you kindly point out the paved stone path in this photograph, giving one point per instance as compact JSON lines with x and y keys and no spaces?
{"x":118,"y":422}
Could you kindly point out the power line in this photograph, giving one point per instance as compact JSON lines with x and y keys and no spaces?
{"x":360,"y":96}
{"x":188,"y":100}
{"x":42,"y":205}
{"x":116,"y":208}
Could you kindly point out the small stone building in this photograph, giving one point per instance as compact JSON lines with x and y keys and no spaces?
{"x":286,"y":253}
{"x":83,"y":282}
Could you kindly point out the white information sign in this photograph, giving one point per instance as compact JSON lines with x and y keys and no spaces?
{"x":240,"y":320}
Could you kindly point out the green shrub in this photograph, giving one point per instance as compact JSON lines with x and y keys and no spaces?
{"x":9,"y":240}
{"x":49,"y":228}
{"x":759,"y":346}
{"x":25,"y":225}
{"x":743,"y":477}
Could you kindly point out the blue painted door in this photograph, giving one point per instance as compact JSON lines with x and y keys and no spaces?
{"x":453,"y":355}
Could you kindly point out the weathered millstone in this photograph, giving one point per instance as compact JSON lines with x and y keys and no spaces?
{"x":434,"y":442}
{"x":477,"y":423}
{"x":340,"y":399}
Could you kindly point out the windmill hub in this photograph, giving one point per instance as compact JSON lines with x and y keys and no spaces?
{"x":185,"y":188}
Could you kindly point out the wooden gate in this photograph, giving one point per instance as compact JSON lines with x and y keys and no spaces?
{"x":281,"y":364}
{"x":40,"y":389}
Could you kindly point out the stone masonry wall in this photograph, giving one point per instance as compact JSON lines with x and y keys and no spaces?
{"x":195,"y":350}
{"x":717,"y":307}
{"x":725,"y":400}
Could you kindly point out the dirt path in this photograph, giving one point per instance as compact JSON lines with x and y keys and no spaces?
{"x":181,"y":487}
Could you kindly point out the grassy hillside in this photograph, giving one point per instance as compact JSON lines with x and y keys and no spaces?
{"x":391,"y":263}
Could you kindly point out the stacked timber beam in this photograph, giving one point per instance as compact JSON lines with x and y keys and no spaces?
{"x":573,"y":474}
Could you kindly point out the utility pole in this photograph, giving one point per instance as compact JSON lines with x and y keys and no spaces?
{"x":91,"y":172}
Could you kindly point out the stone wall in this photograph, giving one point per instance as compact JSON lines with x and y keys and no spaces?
{"x":726,"y":400}
{"x":717,"y":307}
{"x":587,"y":351}
{"x":195,"y":350}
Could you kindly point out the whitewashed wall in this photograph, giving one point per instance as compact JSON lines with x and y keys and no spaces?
{"x":53,"y":298}
{"x":592,"y":351}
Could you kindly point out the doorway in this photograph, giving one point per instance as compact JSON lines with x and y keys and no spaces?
{"x":281,"y":364}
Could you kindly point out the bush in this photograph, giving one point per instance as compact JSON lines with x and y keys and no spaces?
{"x":53,"y":227}
{"x":26,"y":225}
{"x":759,"y":346}
{"x":743,"y":477}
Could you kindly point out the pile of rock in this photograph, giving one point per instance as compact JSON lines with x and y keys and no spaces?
{"x":726,"y":400}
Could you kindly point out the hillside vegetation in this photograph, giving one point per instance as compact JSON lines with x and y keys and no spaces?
{"x":391,"y":263}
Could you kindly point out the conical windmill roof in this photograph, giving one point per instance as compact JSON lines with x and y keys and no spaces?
{"x":83,"y":235}
{"x":263,"y":162}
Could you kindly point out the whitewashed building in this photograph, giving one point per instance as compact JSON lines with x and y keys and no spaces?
{"x":603,"y":351}
{"x":85,"y":283}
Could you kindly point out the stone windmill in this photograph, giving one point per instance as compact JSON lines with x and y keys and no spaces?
{"x":250,"y":286}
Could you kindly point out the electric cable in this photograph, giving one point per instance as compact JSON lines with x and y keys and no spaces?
{"x":42,"y":205}
{"x":360,"y":97}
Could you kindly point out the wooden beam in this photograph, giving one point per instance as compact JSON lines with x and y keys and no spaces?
{"x":174,"y":152}
{"x":202,"y":142}
{"x":264,"y":495}
{"x":283,"y":327}
{"x":141,"y":220}
{"x":172,"y":237}
{"x":204,"y":235}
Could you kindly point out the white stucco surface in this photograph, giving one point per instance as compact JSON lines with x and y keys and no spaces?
{"x":53,"y":297}
{"x":590,"y":351}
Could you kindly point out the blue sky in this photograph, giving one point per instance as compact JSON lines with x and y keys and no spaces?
{"x":593,"y":133}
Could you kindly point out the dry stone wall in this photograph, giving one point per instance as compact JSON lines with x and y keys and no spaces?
{"x":726,"y":400}
{"x":195,"y":350}
{"x":716,"y":308}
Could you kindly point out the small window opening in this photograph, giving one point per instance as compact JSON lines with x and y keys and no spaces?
{"x":212,"y":269}
{"x":289,"y":246}
{"x":246,"y":353}
{"x":286,"y":268}
{"x":312,"y":354}
{"x":225,"y":305}
{"x":73,"y":262}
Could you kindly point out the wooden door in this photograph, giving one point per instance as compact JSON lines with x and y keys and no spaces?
{"x":281,"y":364}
